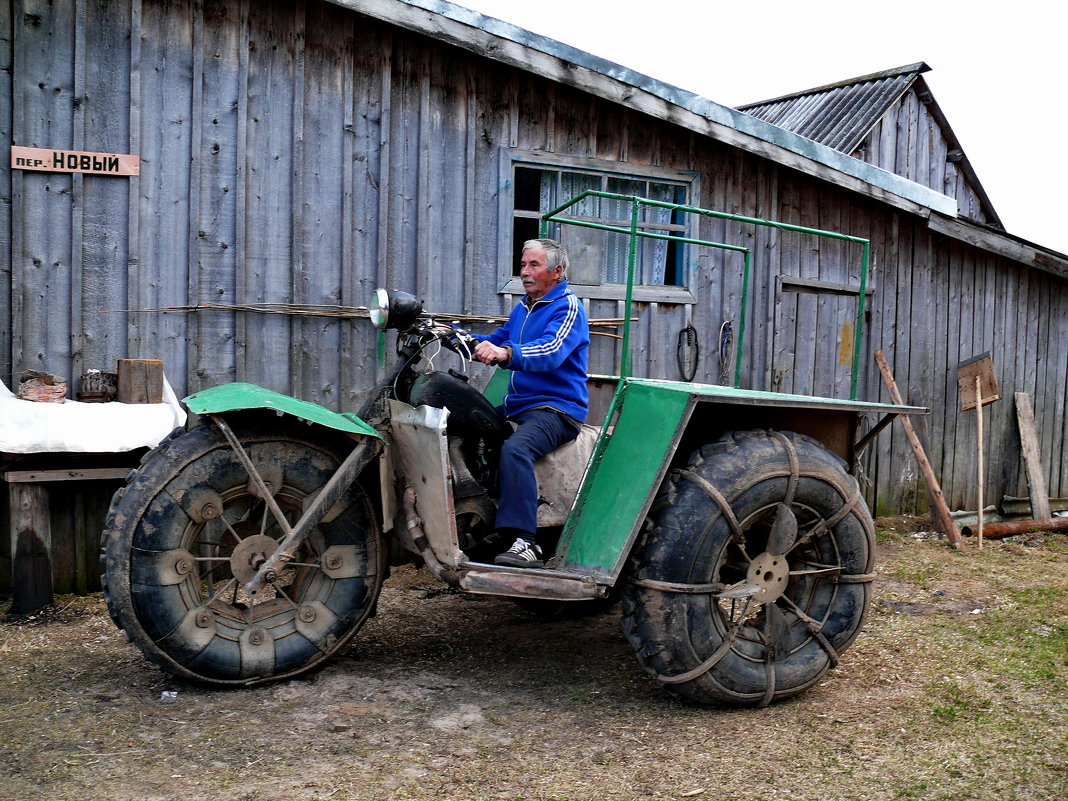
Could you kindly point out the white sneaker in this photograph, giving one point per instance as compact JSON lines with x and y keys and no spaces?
{"x":521,"y":554}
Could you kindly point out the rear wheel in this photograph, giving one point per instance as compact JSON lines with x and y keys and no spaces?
{"x":190,"y":528}
{"x":754,"y":573}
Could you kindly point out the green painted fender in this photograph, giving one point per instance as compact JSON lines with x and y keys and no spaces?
{"x":238,"y":396}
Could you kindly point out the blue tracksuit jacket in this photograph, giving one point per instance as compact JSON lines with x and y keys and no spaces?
{"x":550,"y":341}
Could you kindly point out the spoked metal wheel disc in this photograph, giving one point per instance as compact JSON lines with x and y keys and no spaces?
{"x":755,"y":573}
{"x":191,"y":529}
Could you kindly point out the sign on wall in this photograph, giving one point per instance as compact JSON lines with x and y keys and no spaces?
{"x":49,"y":160}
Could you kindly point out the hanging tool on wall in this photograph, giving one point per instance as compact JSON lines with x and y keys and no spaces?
{"x":726,"y":352}
{"x":688,"y":352}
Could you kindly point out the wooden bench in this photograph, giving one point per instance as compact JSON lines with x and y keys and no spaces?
{"x":30,"y":518}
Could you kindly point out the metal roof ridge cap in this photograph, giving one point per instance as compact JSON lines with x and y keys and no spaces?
{"x":915,"y":69}
{"x":684,"y":99}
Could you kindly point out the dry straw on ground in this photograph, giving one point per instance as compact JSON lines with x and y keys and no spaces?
{"x":957,"y":689}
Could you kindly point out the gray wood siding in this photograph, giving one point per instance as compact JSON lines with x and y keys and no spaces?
{"x":6,"y":227}
{"x":299,"y":152}
{"x":909,"y":142}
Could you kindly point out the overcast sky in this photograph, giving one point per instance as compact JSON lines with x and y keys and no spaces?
{"x":998,"y":73}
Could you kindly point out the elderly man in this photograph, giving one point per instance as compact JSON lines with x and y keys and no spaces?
{"x":545,"y":344}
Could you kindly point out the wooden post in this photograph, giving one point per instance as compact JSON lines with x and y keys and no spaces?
{"x":140,"y":381}
{"x":978,"y":387}
{"x":1036,"y":479}
{"x":31,"y":548}
{"x":938,"y":501}
{"x":979,"y":436}
{"x":30,"y":530}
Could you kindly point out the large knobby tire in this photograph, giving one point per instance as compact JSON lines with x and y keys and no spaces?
{"x":689,"y":608}
{"x":189,"y":525}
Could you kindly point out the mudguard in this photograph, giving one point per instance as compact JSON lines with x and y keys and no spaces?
{"x":239,"y":396}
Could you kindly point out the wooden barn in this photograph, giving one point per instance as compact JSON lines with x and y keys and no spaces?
{"x":305,"y":153}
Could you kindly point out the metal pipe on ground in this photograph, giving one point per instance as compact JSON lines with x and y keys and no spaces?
{"x":1008,"y":528}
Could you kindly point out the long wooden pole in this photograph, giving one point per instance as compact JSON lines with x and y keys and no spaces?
{"x":1036,"y":477}
{"x":941,"y":511}
{"x":979,"y":435}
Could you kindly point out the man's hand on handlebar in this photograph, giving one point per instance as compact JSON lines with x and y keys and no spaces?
{"x":488,"y":353}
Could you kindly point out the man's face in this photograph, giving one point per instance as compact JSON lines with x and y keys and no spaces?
{"x":536,"y":277}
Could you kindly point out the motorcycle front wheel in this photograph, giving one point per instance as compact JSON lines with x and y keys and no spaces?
{"x":190,"y":528}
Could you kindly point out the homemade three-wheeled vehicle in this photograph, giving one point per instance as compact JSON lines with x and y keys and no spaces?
{"x":253,"y":546}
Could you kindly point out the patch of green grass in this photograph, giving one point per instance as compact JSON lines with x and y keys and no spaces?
{"x":916,"y":788}
{"x":953,"y":702}
{"x":583,"y":695}
{"x":921,"y":574}
{"x":885,"y":535}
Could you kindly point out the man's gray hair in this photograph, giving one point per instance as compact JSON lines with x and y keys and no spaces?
{"x":555,"y":254}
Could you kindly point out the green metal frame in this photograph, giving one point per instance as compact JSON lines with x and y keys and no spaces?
{"x":652,"y":415}
{"x":634,"y":233}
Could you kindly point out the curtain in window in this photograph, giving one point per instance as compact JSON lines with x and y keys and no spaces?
{"x":655,"y":251}
{"x":612,"y":249}
{"x":651,"y":262}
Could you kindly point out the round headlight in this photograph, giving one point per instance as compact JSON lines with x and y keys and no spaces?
{"x":393,"y":310}
{"x":379,"y":309}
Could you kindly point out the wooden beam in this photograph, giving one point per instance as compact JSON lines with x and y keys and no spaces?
{"x":1036,"y":479}
{"x":938,"y":501}
{"x":92,"y":474}
{"x":791,"y":283}
{"x":31,"y":548}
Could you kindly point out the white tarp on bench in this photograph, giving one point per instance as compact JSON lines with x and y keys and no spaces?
{"x":32,"y":427}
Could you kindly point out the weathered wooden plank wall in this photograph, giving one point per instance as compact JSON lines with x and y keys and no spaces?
{"x":301,"y":152}
{"x":6,"y":111}
{"x":909,"y":143}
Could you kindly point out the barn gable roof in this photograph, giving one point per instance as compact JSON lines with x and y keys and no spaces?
{"x":840,"y":114}
{"x":844,"y":115}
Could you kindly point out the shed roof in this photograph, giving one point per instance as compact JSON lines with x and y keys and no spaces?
{"x":509,"y":44}
{"x":842,"y":115}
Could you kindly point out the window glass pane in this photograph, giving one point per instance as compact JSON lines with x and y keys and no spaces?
{"x":524,"y":228}
{"x":601,"y":257}
{"x":617,"y":251}
{"x":527,"y":188}
{"x":573,"y":184}
{"x":625,"y":186}
{"x":655,"y":251}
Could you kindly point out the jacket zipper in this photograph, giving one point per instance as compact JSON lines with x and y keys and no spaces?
{"x":522,"y":328}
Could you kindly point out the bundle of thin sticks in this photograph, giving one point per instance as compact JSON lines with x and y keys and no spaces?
{"x":326,"y":310}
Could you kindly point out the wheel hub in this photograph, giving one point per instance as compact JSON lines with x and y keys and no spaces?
{"x":771,"y":573}
{"x":250,"y":553}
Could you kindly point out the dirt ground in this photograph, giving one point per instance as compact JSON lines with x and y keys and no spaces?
{"x":957,"y":690}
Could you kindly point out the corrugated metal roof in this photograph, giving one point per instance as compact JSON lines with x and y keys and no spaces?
{"x":839,"y":115}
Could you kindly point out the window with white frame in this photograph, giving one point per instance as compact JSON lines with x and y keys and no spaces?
{"x":542,"y":182}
